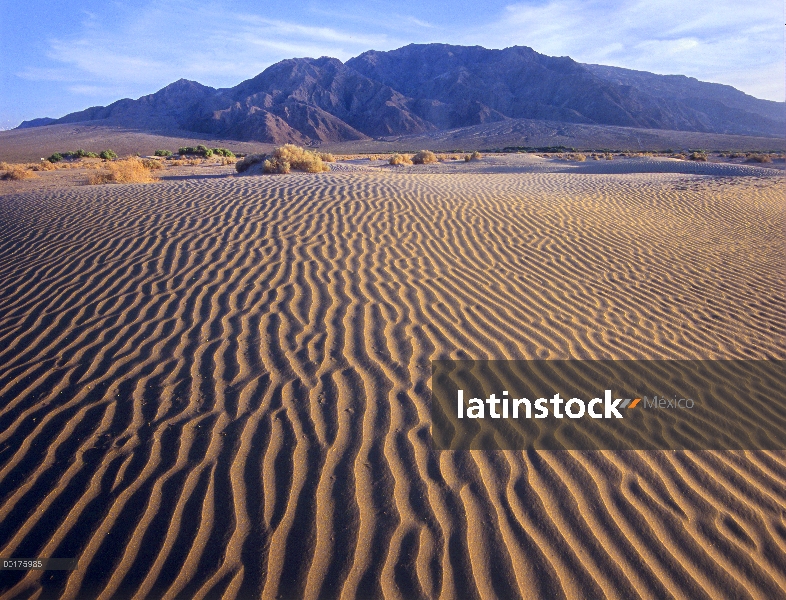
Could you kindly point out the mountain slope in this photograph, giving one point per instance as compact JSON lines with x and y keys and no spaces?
{"x":424,"y":88}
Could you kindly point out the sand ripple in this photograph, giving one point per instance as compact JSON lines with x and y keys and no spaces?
{"x":219,"y":387}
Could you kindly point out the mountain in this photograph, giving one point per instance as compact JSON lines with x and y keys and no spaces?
{"x":434,"y":87}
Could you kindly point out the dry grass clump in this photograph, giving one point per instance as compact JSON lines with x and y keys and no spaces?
{"x":152,"y":164}
{"x":278,"y":166}
{"x":44,"y":165}
{"x":227,"y":160}
{"x":759,"y":158}
{"x":130,"y":170}
{"x":16,"y":172}
{"x":326,"y":157}
{"x":574,"y":156}
{"x":400,"y":159}
{"x":289,"y":156}
{"x":699,"y":156}
{"x":249,"y":161}
{"x":474,"y":156}
{"x":284,"y":159}
{"x":424,"y":157}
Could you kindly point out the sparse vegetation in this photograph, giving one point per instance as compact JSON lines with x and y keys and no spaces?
{"x":400,"y":159}
{"x":284,"y":159}
{"x":107,"y":154}
{"x":474,"y":156}
{"x":130,"y":170}
{"x":281,"y":167}
{"x":759,"y":158}
{"x":223,"y":152}
{"x":424,"y":157}
{"x":80,"y":154}
{"x":16,"y":172}
{"x":249,"y":161}
{"x":199,"y":150}
{"x":698,"y":155}
{"x":289,"y":156}
{"x":326,"y":157}
{"x":162,"y":153}
{"x":71,"y":155}
{"x":152,"y":164}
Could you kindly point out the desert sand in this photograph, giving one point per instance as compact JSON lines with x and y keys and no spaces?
{"x":218,"y":387}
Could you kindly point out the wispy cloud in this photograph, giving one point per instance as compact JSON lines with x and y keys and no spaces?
{"x":144,"y":51}
{"x":723,"y":41}
{"x":102,"y":53}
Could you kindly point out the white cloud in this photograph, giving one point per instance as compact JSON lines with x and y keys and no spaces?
{"x":731,"y":42}
{"x":725,"y":41}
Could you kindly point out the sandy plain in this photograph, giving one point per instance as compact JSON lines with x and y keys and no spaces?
{"x":218,"y":386}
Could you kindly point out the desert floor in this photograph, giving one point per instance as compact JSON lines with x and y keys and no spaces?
{"x":217,"y":386}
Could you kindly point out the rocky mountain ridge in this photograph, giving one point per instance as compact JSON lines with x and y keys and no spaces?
{"x":432,"y":87}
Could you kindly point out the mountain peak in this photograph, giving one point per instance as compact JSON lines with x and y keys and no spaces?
{"x":425,"y":87}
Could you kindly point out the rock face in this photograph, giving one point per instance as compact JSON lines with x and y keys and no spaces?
{"x":422,"y":88}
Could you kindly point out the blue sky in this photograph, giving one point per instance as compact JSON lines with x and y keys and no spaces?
{"x":62,"y":57}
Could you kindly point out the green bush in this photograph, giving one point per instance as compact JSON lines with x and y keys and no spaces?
{"x":78,"y":154}
{"x":56,"y":157}
{"x":107,"y":154}
{"x":222,"y":152}
{"x":198,"y":151}
{"x":162,"y":153}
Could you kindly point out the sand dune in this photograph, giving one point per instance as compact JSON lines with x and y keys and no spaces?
{"x":219,"y":387}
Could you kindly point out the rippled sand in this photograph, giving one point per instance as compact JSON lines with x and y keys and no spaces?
{"x":219,"y":387}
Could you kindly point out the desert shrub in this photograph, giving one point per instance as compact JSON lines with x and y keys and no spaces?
{"x":698,"y":155}
{"x":162,"y":153}
{"x":16,"y":172}
{"x":326,"y":157}
{"x":200,"y":150}
{"x":400,"y":159}
{"x":107,"y":154}
{"x":577,"y":156}
{"x":279,"y":166}
{"x":152,"y":164}
{"x":130,"y":170}
{"x":298,"y":158}
{"x":249,"y":161}
{"x":424,"y":157}
{"x":759,"y":158}
{"x":80,"y":154}
{"x":223,"y":152}
{"x":56,"y":157}
{"x":474,"y":156}
{"x":228,"y":160}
